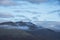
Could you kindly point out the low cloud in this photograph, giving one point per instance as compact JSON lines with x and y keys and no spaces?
{"x":11,"y":2}
{"x":6,"y":15}
{"x":7,"y":2}
{"x":36,"y":1}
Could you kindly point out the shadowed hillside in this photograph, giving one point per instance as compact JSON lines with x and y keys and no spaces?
{"x":15,"y":34}
{"x":46,"y":34}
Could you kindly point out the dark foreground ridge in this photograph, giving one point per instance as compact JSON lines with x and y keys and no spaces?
{"x":14,"y":34}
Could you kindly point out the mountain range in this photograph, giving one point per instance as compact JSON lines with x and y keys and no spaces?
{"x":35,"y":32}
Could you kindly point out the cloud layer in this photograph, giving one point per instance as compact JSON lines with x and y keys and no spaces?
{"x":6,"y":2}
{"x":5,"y":15}
{"x":32,"y":12}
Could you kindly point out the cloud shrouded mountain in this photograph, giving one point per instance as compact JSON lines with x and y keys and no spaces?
{"x":52,"y":25}
{"x":39,"y":34}
{"x":40,"y":19}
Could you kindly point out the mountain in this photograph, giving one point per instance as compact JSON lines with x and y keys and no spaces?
{"x":20,"y":24}
{"x":37,"y":31}
{"x":8,"y":23}
{"x":29,"y":24}
{"x":53,"y":25}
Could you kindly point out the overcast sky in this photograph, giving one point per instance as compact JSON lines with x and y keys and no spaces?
{"x":30,"y":10}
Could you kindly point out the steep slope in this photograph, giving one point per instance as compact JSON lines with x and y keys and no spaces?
{"x":14,"y":34}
